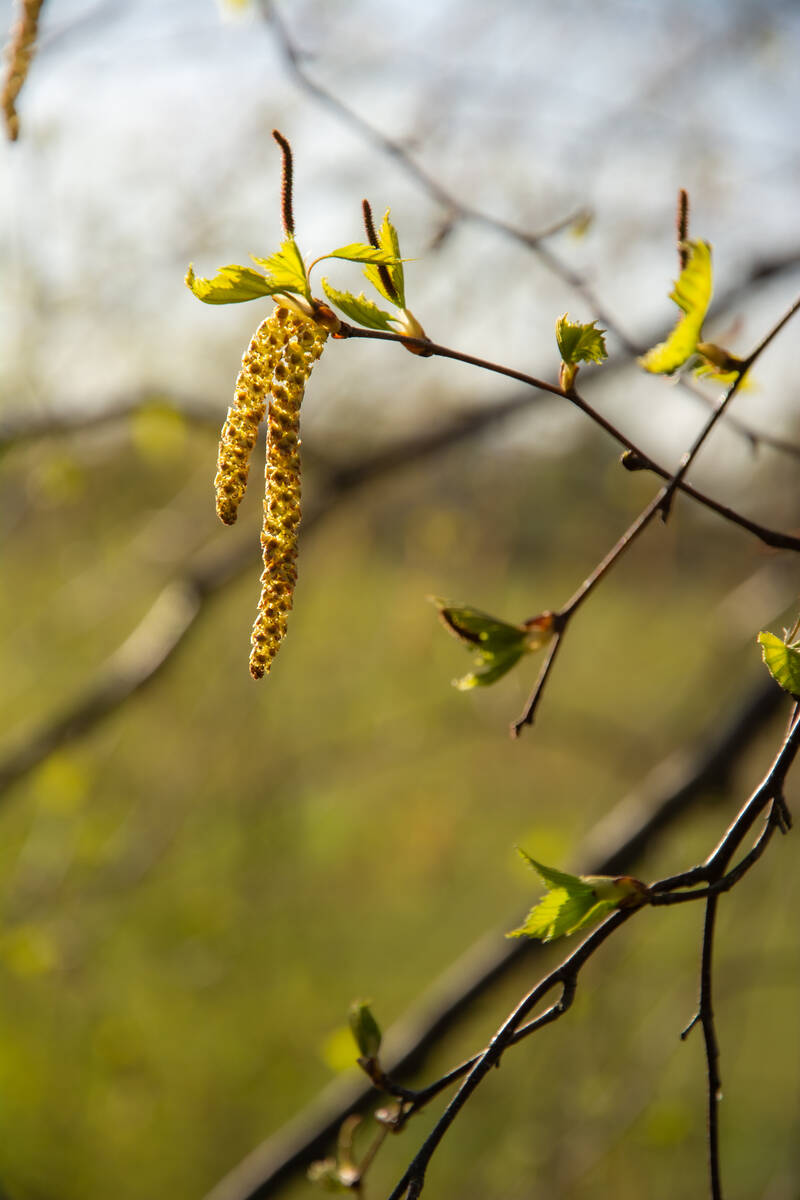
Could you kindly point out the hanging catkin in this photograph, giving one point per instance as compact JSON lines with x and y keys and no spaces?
{"x":302,"y":344}
{"x":240,"y":431}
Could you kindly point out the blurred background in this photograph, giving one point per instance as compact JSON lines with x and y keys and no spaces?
{"x":198,"y":873}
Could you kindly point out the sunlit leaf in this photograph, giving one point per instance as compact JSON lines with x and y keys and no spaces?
{"x":362,"y":252}
{"x":580,"y":343}
{"x":692,"y":294}
{"x":782,"y":661}
{"x":574,"y":902}
{"x":390,"y":244}
{"x":497,"y":645}
{"x":231,"y":285}
{"x":358,"y":308}
{"x":286,"y":271}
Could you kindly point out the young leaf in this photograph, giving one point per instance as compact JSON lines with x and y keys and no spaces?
{"x":490,"y":668}
{"x":231,"y":285}
{"x":692,"y":294}
{"x":358,"y":308}
{"x":576,"y":901}
{"x":362,"y":252}
{"x":286,"y":269}
{"x":580,"y":343}
{"x":390,"y":244}
{"x":497,"y":645}
{"x":782,"y":661}
{"x":472,"y":626}
{"x":365,"y":1029}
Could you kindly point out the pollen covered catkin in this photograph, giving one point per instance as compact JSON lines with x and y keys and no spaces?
{"x":240,"y":431}
{"x":303,"y":342}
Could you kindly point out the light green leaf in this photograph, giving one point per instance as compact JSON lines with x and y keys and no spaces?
{"x":782,"y":661}
{"x":575,"y":901}
{"x":231,"y":285}
{"x":364,"y":253}
{"x":358,"y":308}
{"x":498,"y":646}
{"x":692,"y":294}
{"x":286,"y":270}
{"x":580,"y":343}
{"x":390,"y":244}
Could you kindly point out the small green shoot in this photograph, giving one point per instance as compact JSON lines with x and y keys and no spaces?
{"x":365,"y":1029}
{"x":497,"y":646}
{"x":576,"y":344}
{"x":574,"y":902}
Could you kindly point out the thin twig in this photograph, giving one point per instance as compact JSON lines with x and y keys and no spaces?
{"x":770,"y":537}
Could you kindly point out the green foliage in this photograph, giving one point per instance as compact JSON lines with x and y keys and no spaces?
{"x":580,"y":343}
{"x":390,"y":245}
{"x":782,"y":660}
{"x":358,"y":308}
{"x":692,"y":294}
{"x":365,"y":1029}
{"x":286,"y":271}
{"x":574,"y":902}
{"x":362,"y":252}
{"x":497,"y":645}
{"x":231,"y":285}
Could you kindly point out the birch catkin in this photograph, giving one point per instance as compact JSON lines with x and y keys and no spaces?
{"x":301,"y":345}
{"x":240,"y":431}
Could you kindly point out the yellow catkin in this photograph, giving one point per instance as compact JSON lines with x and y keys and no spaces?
{"x":240,"y":431}
{"x":303,"y":346}
{"x":19,"y":53}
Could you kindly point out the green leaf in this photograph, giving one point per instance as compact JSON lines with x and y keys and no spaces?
{"x":365,"y":1029}
{"x":390,"y":244}
{"x":362,"y":252}
{"x":491,"y":667}
{"x":575,"y":901}
{"x":474,"y":627}
{"x":692,"y":294}
{"x":498,"y":646}
{"x":782,"y":661}
{"x":286,"y":270}
{"x":580,"y":343}
{"x":231,"y":285}
{"x":358,"y":308}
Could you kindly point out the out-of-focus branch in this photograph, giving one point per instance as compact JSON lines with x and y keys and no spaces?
{"x":166,"y":626}
{"x":614,"y":846}
{"x":30,"y":425}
